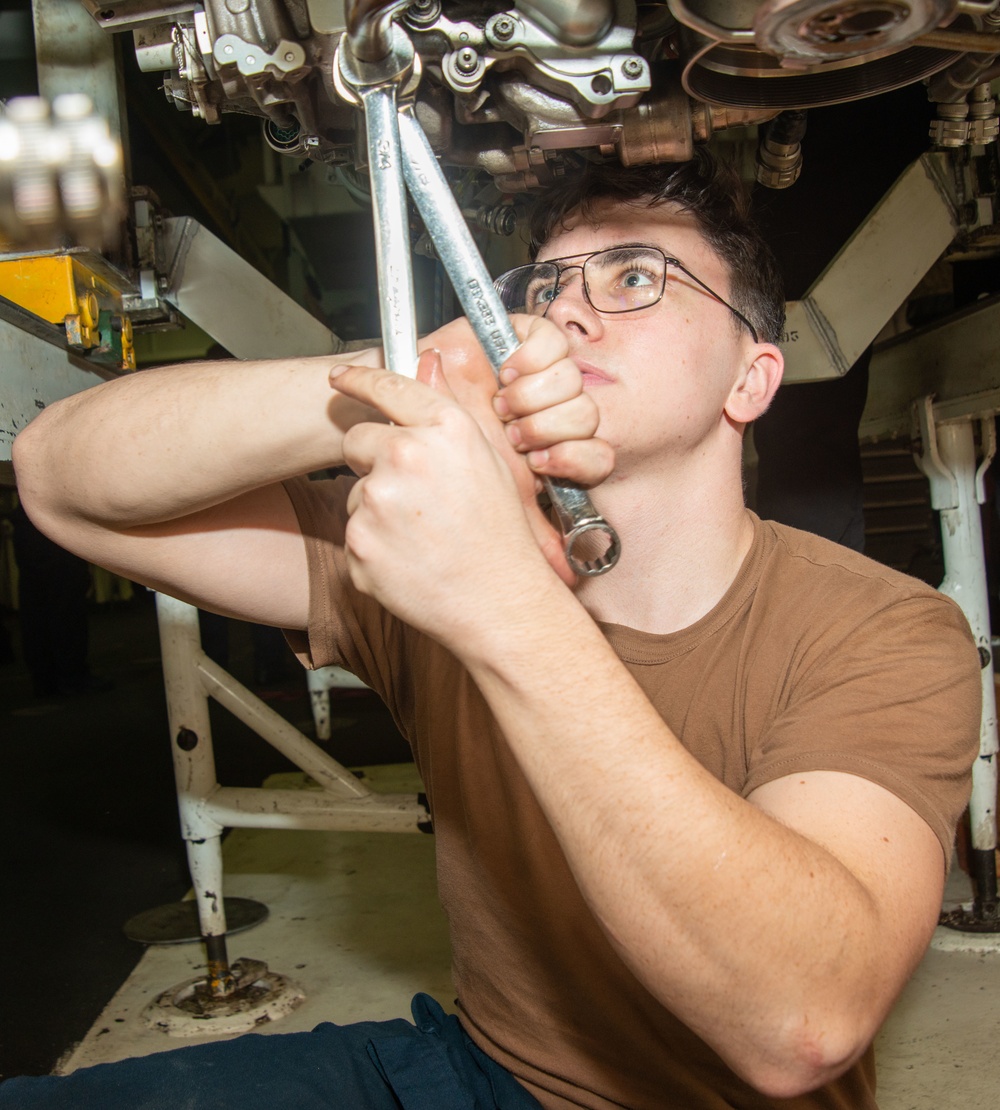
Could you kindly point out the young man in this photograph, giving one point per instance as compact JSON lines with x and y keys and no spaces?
{"x":692,"y":817}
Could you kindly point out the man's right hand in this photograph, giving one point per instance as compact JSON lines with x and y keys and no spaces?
{"x":550,"y":423}
{"x":538,"y":420}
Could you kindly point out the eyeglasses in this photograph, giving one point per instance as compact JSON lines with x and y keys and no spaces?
{"x":615,"y":280}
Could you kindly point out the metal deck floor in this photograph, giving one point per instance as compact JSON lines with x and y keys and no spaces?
{"x":354,"y":920}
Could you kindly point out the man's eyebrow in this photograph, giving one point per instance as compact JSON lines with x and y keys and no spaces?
{"x":671,"y":257}
{"x":630,"y":249}
{"x":634,"y":247}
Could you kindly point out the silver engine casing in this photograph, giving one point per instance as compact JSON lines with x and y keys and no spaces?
{"x":509,"y":90}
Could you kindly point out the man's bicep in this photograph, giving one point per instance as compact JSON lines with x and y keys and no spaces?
{"x":881,"y":840}
{"x":245,"y":558}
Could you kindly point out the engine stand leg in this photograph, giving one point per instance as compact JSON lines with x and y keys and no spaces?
{"x":948,"y":458}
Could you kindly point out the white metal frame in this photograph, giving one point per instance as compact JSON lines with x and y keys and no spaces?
{"x":320,"y":682}
{"x":953,"y":367}
{"x":343,"y":803}
{"x":948,"y":458}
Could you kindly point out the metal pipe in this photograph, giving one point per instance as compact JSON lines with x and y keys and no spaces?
{"x":219,"y":975}
{"x":247,"y":807}
{"x":952,"y":85}
{"x":278,"y":732}
{"x":971,"y":42}
{"x":194,"y":763}
{"x":187,"y":709}
{"x":976,"y":7}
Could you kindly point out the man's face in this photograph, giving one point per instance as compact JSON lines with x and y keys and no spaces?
{"x":661,"y":375}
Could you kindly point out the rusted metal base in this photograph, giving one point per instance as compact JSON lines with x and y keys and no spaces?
{"x":190,"y":1009}
{"x":982,"y":915}
{"x":972,"y":919}
{"x":177,"y":922}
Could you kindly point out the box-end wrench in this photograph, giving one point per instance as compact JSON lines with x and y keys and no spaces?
{"x":400,"y":152}
{"x":374,"y":86}
{"x":591,"y":545}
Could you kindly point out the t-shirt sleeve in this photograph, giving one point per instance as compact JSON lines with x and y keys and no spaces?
{"x":892,"y":695}
{"x":345,"y":627}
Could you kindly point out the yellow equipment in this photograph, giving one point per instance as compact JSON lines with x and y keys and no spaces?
{"x":77,"y":290}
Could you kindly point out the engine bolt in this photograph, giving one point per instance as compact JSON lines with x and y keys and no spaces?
{"x":503,"y":28}
{"x":466,"y":60}
{"x":632,"y":68}
{"x":422,"y":13}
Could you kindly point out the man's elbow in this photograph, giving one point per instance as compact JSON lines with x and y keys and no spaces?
{"x":28,"y":468}
{"x":38,"y":485}
{"x":804,"y":1059}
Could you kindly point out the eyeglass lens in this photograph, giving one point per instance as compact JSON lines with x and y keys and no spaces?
{"x":621,"y":279}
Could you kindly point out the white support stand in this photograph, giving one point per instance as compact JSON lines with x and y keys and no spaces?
{"x":207,"y":808}
{"x":320,"y":682}
{"x":948,"y":458}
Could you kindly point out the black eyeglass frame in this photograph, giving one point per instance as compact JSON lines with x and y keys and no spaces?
{"x":668,"y":260}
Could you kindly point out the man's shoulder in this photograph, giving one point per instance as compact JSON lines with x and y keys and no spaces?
{"x":808,"y":580}
{"x":804,"y":559}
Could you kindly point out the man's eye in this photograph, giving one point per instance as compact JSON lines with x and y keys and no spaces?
{"x":635,"y":279}
{"x":545,"y":294}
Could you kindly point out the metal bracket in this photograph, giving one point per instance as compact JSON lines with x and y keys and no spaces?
{"x":848,"y":305}
{"x":213,"y":287}
{"x":944,"y":488}
{"x":251,"y":60}
{"x":988,"y":442}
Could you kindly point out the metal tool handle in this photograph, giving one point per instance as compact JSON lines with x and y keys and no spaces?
{"x":590,"y":543}
{"x":375,"y":86}
{"x":392,"y":232}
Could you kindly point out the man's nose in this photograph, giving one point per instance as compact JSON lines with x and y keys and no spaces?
{"x":571,"y":309}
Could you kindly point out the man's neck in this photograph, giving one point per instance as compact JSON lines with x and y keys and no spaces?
{"x":684,"y":537}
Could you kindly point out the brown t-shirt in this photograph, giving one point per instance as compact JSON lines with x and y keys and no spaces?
{"x":815,"y":659}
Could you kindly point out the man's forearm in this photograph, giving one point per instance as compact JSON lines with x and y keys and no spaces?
{"x":165,"y":443}
{"x":759,"y":939}
{"x":168,"y":442}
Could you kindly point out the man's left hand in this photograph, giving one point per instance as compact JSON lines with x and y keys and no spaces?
{"x":439,"y":515}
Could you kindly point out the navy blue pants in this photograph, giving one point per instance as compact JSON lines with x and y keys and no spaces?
{"x":373,"y":1065}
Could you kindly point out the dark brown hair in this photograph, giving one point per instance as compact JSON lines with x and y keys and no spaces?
{"x":708,"y":190}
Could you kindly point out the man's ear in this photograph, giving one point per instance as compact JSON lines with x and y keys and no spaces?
{"x":757,"y":384}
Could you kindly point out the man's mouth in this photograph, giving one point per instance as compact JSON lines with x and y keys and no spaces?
{"x":592,"y":375}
